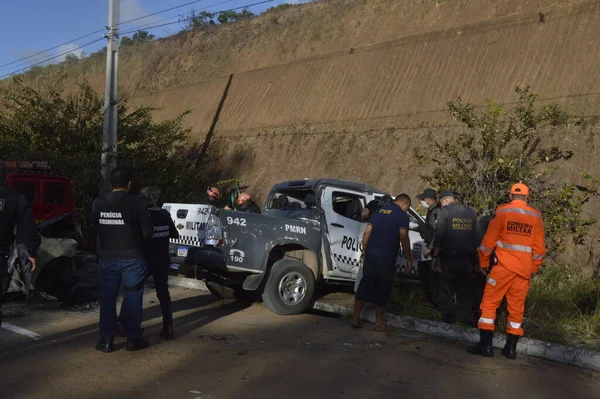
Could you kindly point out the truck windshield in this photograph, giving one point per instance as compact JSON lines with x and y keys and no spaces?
{"x":293,"y":199}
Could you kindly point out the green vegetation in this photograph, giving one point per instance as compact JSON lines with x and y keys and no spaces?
{"x":497,"y":149}
{"x":563,"y":306}
{"x":138,"y":37}
{"x":204,"y":18}
{"x":42,"y":123}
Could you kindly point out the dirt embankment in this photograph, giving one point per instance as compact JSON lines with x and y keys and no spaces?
{"x":346,"y":88}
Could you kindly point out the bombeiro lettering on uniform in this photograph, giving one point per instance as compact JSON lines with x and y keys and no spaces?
{"x":462,"y":224}
{"x":352,"y":244}
{"x":295,"y":229}
{"x":111,"y":218}
{"x":519,"y":228}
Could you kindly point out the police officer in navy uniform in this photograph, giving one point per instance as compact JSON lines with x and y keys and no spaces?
{"x":375,"y":205}
{"x":15,"y":211}
{"x":454,"y":258}
{"x":429,"y":279}
{"x":386,"y":232}
{"x":122,"y":223}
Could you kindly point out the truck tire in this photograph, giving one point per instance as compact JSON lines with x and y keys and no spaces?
{"x":289,"y":288}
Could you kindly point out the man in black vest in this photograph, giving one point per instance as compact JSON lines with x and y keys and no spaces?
{"x":122,"y":223}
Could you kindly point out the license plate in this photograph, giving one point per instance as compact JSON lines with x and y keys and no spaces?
{"x":182,"y":251}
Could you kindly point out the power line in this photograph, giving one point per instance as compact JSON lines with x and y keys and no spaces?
{"x":142,"y":27}
{"x":50,"y":49}
{"x":19,"y":61}
{"x":189,"y":19}
{"x":160,"y":12}
{"x":51,"y":58}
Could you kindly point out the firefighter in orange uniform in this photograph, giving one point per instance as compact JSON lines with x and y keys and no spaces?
{"x":516,"y":234}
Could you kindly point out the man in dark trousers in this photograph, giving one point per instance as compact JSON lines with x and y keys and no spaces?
{"x":122,"y":223}
{"x":454,"y":258}
{"x":14,"y":212}
{"x":429,"y":279}
{"x":156,"y":251}
{"x":386,"y":231}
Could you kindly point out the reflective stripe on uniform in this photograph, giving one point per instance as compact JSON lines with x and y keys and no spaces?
{"x":485,"y":249}
{"x":514,"y":247}
{"x":514,"y":325}
{"x":486,"y":321}
{"x":521,"y":211}
{"x":491,"y":281}
{"x":538,"y":257}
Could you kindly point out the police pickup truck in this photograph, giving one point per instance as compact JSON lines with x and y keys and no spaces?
{"x":310,"y":231}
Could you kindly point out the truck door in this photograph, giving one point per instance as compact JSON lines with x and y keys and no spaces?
{"x":57,"y":198}
{"x":343,"y":208}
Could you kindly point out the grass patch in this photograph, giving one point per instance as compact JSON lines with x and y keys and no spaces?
{"x":563,"y":306}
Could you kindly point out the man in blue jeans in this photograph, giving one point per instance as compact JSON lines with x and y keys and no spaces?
{"x":122,"y":223}
{"x":386,"y":231}
{"x":156,"y":251}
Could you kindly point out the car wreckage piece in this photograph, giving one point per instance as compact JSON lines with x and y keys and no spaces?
{"x":53,"y":275}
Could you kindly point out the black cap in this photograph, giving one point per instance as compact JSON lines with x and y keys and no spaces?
{"x":447,"y":193}
{"x":428,"y":193}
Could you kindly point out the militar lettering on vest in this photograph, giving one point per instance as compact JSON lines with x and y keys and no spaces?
{"x":462,"y":224}
{"x":519,"y":228}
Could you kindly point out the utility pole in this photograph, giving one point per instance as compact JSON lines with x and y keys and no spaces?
{"x":111,"y":98}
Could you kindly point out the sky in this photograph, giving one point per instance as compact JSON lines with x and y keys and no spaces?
{"x":32,"y":26}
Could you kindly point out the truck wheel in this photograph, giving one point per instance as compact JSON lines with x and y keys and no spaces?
{"x":289,"y":288}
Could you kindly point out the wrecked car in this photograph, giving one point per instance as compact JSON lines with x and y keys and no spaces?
{"x":310,"y":232}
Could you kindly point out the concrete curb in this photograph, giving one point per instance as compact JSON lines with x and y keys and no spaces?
{"x":527,"y":346}
{"x":187,"y":282}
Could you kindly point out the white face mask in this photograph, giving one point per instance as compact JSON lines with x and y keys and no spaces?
{"x":424,"y":204}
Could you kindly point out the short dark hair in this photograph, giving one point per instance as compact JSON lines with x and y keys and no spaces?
{"x":150,"y":195}
{"x":403,"y":198}
{"x":121,"y":176}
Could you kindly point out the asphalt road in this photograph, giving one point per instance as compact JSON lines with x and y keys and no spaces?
{"x":234,"y":351}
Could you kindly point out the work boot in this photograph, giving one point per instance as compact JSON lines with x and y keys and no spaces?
{"x":510,"y":348}
{"x":484,"y":346}
{"x":105,"y":345}
{"x":167,"y":332}
{"x":135,"y":344}
{"x":121,"y":330}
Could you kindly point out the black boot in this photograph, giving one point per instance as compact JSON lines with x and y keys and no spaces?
{"x":484,"y":346}
{"x":105,"y":345}
{"x":135,"y":344}
{"x":510,"y":348}
{"x":167,"y":332}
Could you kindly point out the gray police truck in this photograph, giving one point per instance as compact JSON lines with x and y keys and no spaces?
{"x":310,"y":232}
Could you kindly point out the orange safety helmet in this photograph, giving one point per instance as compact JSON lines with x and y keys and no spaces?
{"x":519,"y":189}
{"x":242,"y":198}
{"x":214,"y":193}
